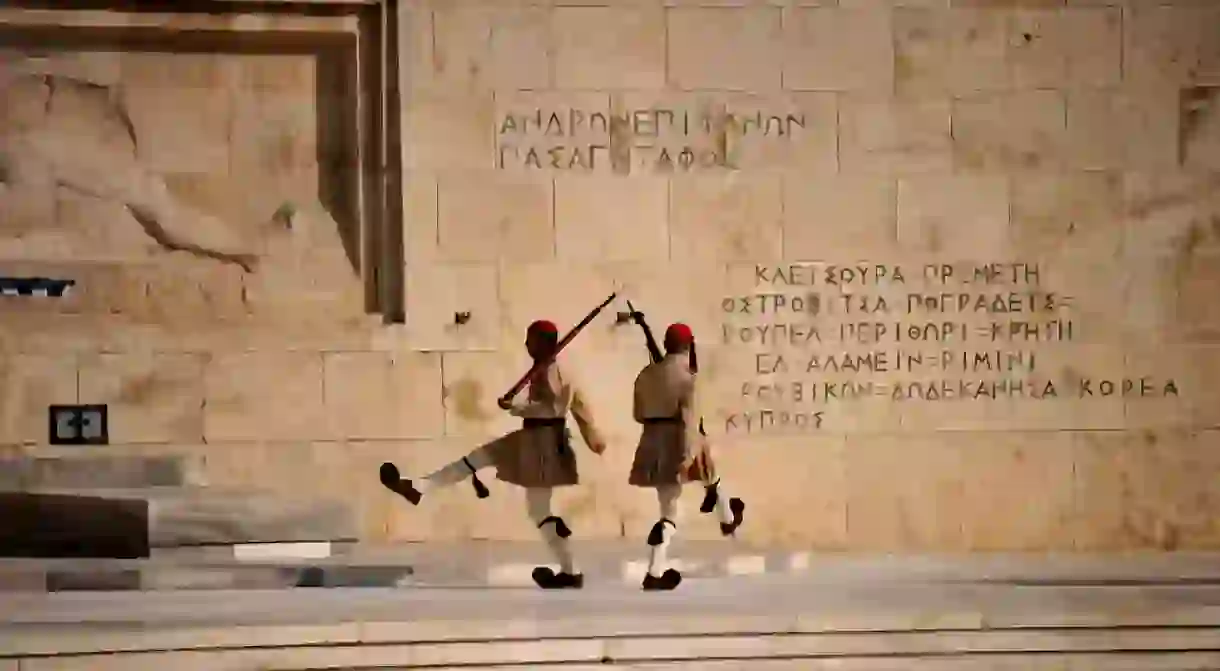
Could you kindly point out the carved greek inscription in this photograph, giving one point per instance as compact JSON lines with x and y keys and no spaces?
{"x":654,"y":140}
{"x":816,"y":336}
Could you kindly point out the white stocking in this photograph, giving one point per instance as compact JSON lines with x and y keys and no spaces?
{"x":722,"y":504}
{"x":457,"y":471}
{"x":538,"y":505}
{"x":667,"y":501}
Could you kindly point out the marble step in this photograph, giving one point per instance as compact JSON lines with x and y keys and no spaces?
{"x":192,"y":516}
{"x":47,"y":525}
{"x":182,"y":516}
{"x":95,"y":471}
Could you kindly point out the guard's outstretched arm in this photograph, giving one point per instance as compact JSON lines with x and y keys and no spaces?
{"x":583,"y":415}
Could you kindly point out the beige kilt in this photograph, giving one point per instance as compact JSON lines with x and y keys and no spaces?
{"x":658,"y":458}
{"x":538,"y":456}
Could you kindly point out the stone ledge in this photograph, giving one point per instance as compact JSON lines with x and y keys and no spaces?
{"x":200,"y":516}
{"x":56,"y":525}
{"x":95,"y":472}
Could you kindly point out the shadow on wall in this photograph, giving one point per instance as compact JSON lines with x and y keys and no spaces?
{"x":338,"y":143}
{"x":337,"y":140}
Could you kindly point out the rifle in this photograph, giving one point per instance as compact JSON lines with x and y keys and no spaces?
{"x":563,"y":342}
{"x":654,"y":351}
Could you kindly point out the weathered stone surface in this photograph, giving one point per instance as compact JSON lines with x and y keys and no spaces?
{"x":732,"y":218}
{"x":847,"y":216}
{"x":1009,"y":132}
{"x":1153,"y":490}
{"x":151,"y":398}
{"x":1171,"y":212}
{"x":620,"y":47}
{"x":611,"y":219}
{"x":29,"y":383}
{"x":489,"y":217}
{"x":265,"y":395}
{"x":449,"y":131}
{"x":525,"y":296}
{"x":1171,"y":45}
{"x":1123,"y":128}
{"x":950,"y":51}
{"x":1059,"y":47}
{"x":211,"y":516}
{"x":485,"y":46}
{"x":1199,"y":125}
{"x":739,"y":50}
{"x":955,"y":216}
{"x":881,"y":134}
{"x":97,"y":472}
{"x":376,"y":395}
{"x":437,"y":297}
{"x":1062,"y":213}
{"x":832,"y":49}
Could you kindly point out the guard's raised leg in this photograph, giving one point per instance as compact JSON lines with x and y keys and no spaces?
{"x":556,"y":534}
{"x":448,"y":475}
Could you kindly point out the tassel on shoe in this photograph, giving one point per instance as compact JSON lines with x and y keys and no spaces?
{"x":480,"y":489}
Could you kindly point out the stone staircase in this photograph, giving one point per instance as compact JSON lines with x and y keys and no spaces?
{"x":1112,"y":632}
{"x":81,"y":505}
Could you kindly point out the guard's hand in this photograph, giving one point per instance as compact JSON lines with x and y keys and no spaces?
{"x":637,"y":317}
{"x":505,"y":403}
{"x":687,"y":463}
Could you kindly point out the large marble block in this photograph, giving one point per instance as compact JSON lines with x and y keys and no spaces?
{"x":52,"y":526}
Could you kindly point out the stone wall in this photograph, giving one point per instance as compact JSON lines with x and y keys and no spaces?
{"x":949,"y":267}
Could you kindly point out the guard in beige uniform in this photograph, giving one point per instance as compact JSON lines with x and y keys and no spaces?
{"x":537,"y":456}
{"x":672,"y":450}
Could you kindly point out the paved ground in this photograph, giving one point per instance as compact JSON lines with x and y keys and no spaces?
{"x":835,"y":613}
{"x":724,"y":618}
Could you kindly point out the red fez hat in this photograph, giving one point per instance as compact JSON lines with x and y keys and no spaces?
{"x":679,"y":334}
{"x":543,"y":326}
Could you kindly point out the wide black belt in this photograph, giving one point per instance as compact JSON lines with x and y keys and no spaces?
{"x":533,"y":422}
{"x":662,"y":420}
